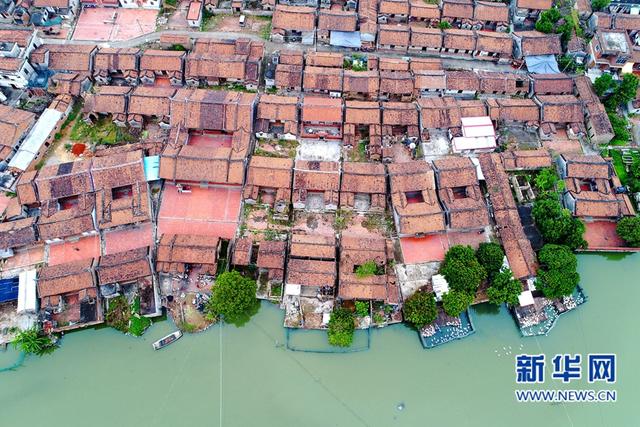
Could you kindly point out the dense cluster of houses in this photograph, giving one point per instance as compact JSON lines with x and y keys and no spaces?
{"x":301,"y":169}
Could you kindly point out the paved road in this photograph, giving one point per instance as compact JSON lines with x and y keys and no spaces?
{"x":448,"y":62}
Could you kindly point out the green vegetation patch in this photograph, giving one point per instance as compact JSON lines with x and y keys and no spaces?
{"x":341,"y":327}
{"x":104,"y":131}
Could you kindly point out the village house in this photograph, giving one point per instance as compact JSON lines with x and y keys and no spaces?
{"x":591,"y":188}
{"x":551,"y":84}
{"x":458,"y":13}
{"x":112,"y":100}
{"x":493,"y":45}
{"x":400,"y":122}
{"x":422,"y":12}
{"x":518,"y":160}
{"x":597,"y":121}
{"x":535,"y":43}
{"x":64,"y":193}
{"x":517,"y":247}
{"x":363,"y":187}
{"x":425,"y":40}
{"x":64,"y":58}
{"x":122,"y":196}
{"x":361,"y":84}
{"x":269,"y":182}
{"x":363,"y":125}
{"x":129,"y":273}
{"x":74,"y":84}
{"x":16,"y":45}
{"x":288,"y":73}
{"x":268,"y":257}
{"x":277,"y":117}
{"x":463,"y":83}
{"x":68,"y":295}
{"x":490,"y":15}
{"x":162,"y":65}
{"x":324,"y":59}
{"x":16,"y":234}
{"x":429,"y":82}
{"x":446,"y":113}
{"x":367,"y":17}
{"x":195,"y":13}
{"x":293,"y":24}
{"x":560,"y":110}
{"x":356,"y":251}
{"x":393,"y":11}
{"x":460,"y":193}
{"x":321,"y":118}
{"x":116,"y":63}
{"x":529,"y":10}
{"x":610,"y":49}
{"x":14,"y":126}
{"x":187,"y":254}
{"x":498,"y":83}
{"x":316,"y":185}
{"x":216,"y":62}
{"x":416,"y":210}
{"x":394,"y":37}
{"x":147,"y":103}
{"x":323,"y":80}
{"x":459,"y":42}
{"x":335,"y":21}
{"x":514,"y":111}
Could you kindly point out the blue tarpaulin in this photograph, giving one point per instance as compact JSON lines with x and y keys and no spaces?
{"x":542,"y":64}
{"x":9,"y":289}
{"x":152,"y":168}
{"x":345,"y":39}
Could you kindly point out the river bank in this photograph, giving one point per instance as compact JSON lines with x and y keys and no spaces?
{"x":244,"y":376}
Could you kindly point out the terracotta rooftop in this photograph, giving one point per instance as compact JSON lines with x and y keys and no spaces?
{"x":162,"y":60}
{"x":124,"y":267}
{"x":151,"y":101}
{"x":321,"y":110}
{"x":116,"y":59}
{"x":526,"y":159}
{"x":294,"y":18}
{"x":363,"y":178}
{"x":359,"y":112}
{"x":65,"y":278}
{"x":65,"y":57}
{"x":519,"y":110}
{"x":552,"y":84}
{"x":537,"y":43}
{"x":337,"y":20}
{"x":399,"y":113}
{"x":446,"y":112}
{"x":560,"y":109}
{"x":212,"y":110}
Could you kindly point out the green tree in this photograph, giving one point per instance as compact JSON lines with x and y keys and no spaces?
{"x":33,"y":341}
{"x":233,"y":297}
{"x":544,"y":26}
{"x":620,"y":128}
{"x":504,"y":288}
{"x":556,"y":223}
{"x":491,"y":257}
{"x":362,"y":308}
{"x":420,"y":309}
{"x":628,"y":229}
{"x":369,"y":268}
{"x":624,"y":92}
{"x":444,"y":25}
{"x":546,"y":180}
{"x":341,"y":327}
{"x":455,"y":302}
{"x":597,"y":5}
{"x":557,"y":275}
{"x":462,"y":269}
{"x":603,"y":84}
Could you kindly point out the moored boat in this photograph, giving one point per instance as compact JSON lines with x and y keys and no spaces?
{"x":169,"y":339}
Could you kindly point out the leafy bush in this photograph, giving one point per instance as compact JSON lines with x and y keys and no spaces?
{"x":420,"y":309}
{"x":546,"y":180}
{"x":233,"y":297}
{"x":341,"y":327}
{"x":491,"y":257}
{"x":33,"y":341}
{"x":362,"y":309}
{"x":455,"y":302}
{"x":504,"y":288}
{"x":628,"y":229}
{"x":557,"y":275}
{"x":597,"y":5}
{"x":462,"y":269}
{"x":138,"y":324}
{"x":444,"y":25}
{"x":556,"y":224}
{"x":369,"y":268}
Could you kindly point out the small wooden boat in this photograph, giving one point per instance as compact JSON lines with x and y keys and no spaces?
{"x":169,"y":339}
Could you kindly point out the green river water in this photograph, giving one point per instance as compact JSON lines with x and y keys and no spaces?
{"x":244,"y":377}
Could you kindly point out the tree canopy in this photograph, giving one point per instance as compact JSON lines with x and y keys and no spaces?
{"x":546,"y":180}
{"x":628,"y":229}
{"x":233,"y":297}
{"x":603,"y":84}
{"x":491,"y":256}
{"x":420,"y":309}
{"x":556,"y":224}
{"x":504,"y":288}
{"x":557,"y":276}
{"x":462,"y":269}
{"x":455,"y":302}
{"x":341,"y":327}
{"x":597,"y":5}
